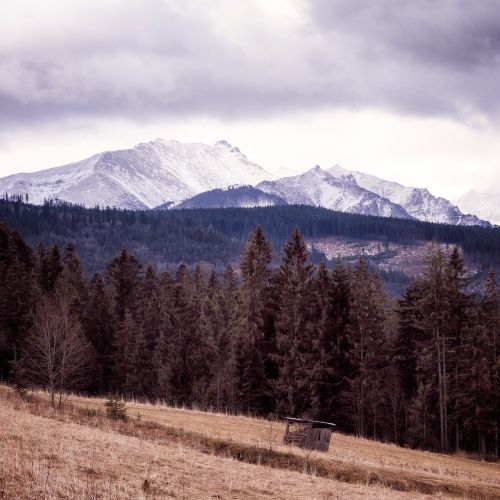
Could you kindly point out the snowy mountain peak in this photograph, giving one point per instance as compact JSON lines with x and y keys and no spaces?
{"x":223,"y":143}
{"x":418,"y":202}
{"x":226,"y":145}
{"x":318,"y":187}
{"x":166,"y":173}
{"x":145,"y":176}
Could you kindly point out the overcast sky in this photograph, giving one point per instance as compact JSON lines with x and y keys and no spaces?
{"x":407,"y":90}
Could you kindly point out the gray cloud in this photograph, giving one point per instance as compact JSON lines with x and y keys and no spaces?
{"x":138,"y":59}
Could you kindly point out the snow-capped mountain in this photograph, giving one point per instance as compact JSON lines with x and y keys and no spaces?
{"x":320,"y":188}
{"x":484,"y":205}
{"x":170,"y":174}
{"x":234,"y":196}
{"x":418,"y":202}
{"x":148,"y":175}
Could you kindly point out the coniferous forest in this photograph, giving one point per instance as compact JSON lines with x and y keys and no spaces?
{"x":277,"y":336}
{"x":218,"y":236}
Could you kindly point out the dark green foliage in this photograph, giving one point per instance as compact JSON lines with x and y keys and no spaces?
{"x":18,"y":292}
{"x":252,"y":385}
{"x":294,"y":325}
{"x":218,"y":236}
{"x":100,"y":324}
{"x":367,"y":337}
{"x":330,"y":343}
{"x":124,"y":275}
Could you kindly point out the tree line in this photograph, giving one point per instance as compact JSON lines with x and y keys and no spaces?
{"x":218,"y":236}
{"x":288,"y":338}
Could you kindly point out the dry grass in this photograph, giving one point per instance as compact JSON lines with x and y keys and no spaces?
{"x":44,"y":457}
{"x":455,"y":474}
{"x":181,"y":453}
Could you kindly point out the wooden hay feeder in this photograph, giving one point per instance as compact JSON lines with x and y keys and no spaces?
{"x":309,"y":434}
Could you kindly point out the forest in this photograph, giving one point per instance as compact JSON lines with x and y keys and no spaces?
{"x":275,"y":336}
{"x":217,"y":236}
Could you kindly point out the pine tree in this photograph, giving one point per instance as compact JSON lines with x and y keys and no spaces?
{"x":164,"y":346}
{"x":18,"y":293}
{"x":367,"y":337}
{"x":252,"y":387}
{"x":294,"y":328}
{"x":124,"y":273}
{"x":325,"y":375}
{"x":100,"y":325}
{"x":490,"y":326}
{"x":406,"y":348}
{"x":151,"y":322}
{"x":139,"y":381}
{"x":435,"y":308}
{"x":49,"y":268}
{"x":123,"y":352}
{"x":409,"y":333}
{"x":217,"y":328}
{"x":71,"y":282}
{"x":189,"y":365}
{"x":459,"y":338}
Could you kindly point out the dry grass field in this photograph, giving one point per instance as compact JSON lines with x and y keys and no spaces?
{"x":163,"y":452}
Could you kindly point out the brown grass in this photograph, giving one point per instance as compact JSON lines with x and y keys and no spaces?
{"x":171,"y":452}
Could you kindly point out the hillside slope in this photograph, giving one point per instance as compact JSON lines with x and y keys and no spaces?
{"x":232,"y":197}
{"x":218,"y":236}
{"x":167,"y":452}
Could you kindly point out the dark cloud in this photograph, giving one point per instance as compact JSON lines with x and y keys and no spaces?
{"x":424,"y":56}
{"x":138,"y":59}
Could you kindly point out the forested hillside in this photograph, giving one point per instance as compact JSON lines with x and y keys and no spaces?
{"x":217,"y":236}
{"x":288,"y":339}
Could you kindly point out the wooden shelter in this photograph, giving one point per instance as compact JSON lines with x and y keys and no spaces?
{"x":310,"y":434}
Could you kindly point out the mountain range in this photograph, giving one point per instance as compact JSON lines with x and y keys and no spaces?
{"x":170,"y":174}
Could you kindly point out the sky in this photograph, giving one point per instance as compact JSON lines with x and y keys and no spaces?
{"x":406,"y":90}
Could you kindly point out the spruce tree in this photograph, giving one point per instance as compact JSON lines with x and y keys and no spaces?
{"x":18,"y":294}
{"x":294,"y":328}
{"x":490,"y":326}
{"x":325,"y":377}
{"x":124,"y":274}
{"x":150,"y":322}
{"x":367,"y":337}
{"x":252,"y":387}
{"x":459,"y":338}
{"x":49,"y":268}
{"x":100,"y":325}
{"x":435,"y":311}
{"x":71,"y":281}
{"x":164,"y":346}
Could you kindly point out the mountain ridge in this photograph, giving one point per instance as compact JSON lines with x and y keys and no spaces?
{"x":168,"y":174}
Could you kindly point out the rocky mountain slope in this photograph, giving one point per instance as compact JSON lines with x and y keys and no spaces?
{"x":319,"y":188}
{"x":148,"y":175}
{"x":418,"y":202}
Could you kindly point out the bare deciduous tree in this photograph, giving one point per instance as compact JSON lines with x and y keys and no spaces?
{"x":56,"y":353}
